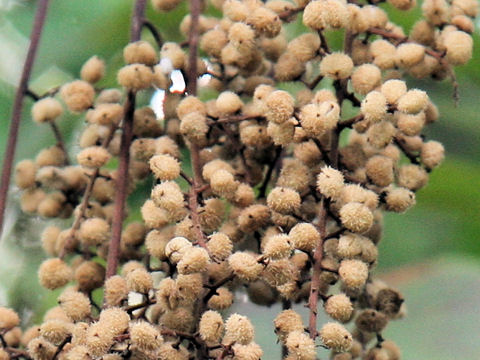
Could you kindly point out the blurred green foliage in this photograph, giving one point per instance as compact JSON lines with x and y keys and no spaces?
{"x":446,"y":220}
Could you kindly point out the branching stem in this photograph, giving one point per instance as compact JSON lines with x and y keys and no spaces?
{"x":127,"y":135}
{"x":22,"y":89}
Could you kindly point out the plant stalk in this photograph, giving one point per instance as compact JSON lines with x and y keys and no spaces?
{"x":22,"y":89}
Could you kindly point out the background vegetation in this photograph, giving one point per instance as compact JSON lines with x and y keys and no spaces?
{"x":432,"y":253}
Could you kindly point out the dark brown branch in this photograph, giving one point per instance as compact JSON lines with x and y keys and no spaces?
{"x":154,"y":31}
{"x":312,"y":85}
{"x":127,"y":135}
{"x":186,"y":178}
{"x":61,"y":346}
{"x":131,"y":308}
{"x":59,"y":139}
{"x":335,"y":234}
{"x":212,"y":289}
{"x":263,"y":188}
{"x":2,"y":340}
{"x":349,"y":122}
{"x":17,"y":353}
{"x":287,"y":15}
{"x":38,"y":24}
{"x":413,"y":158}
{"x":323,"y":42}
{"x":227,"y":351}
{"x":32,"y":95}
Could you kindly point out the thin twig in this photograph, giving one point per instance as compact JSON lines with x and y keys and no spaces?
{"x":38,"y":24}
{"x":127,"y":135}
{"x":154,"y":31}
{"x":212,"y":289}
{"x":349,"y":122}
{"x":85,"y":200}
{"x":323,"y":42}
{"x":263,"y":188}
{"x":131,"y":308}
{"x":59,"y":139}
{"x":312,"y":85}
{"x":186,"y":178}
{"x":288,"y":14}
{"x":61,"y":346}
{"x":413,"y":158}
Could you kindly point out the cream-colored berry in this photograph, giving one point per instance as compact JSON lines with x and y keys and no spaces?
{"x":459,"y":47}
{"x":366,"y":78}
{"x":93,"y":70}
{"x":78,"y":95}
{"x":54,"y":273}
{"x":140,"y":52}
{"x":336,"y":337}
{"x":283,"y":200}
{"x":336,"y":66}
{"x":413,"y":101}
{"x":374,"y":106}
{"x":330,"y":182}
{"x":301,"y":345}
{"x":238,"y":329}
{"x":304,"y":236}
{"x":46,"y":110}
{"x":356,"y":217}
{"x":339,"y":307}
{"x":135,"y":77}
{"x":432,"y":154}
{"x":245,"y":266}
{"x":353,"y":273}
{"x":165,"y":167}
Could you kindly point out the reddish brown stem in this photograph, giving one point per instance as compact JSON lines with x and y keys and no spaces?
{"x":122,"y":187}
{"x":317,"y":269}
{"x":193,"y":194}
{"x":192,"y":74}
{"x":35,"y":35}
{"x":288,"y":14}
{"x":127,"y":135}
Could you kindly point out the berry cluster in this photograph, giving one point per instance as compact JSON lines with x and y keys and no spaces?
{"x":250,"y":187}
